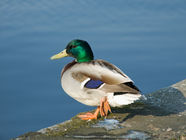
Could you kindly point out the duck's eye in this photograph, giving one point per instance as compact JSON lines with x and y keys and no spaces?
{"x":73,"y":46}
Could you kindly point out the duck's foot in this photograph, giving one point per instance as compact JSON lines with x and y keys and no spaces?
{"x":90,"y":116}
{"x":104,"y":107}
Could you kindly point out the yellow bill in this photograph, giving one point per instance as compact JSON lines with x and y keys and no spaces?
{"x":60,"y":55}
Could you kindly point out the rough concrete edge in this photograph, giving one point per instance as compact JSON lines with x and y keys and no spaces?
{"x":60,"y":129}
{"x":179,"y":86}
{"x":53,"y":127}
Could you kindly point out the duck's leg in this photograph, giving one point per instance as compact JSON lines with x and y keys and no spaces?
{"x":104,"y":107}
{"x":90,"y":116}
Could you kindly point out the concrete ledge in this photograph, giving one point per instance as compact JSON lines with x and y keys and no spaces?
{"x":160,"y":115}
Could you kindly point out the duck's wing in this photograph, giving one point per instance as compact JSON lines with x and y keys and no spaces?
{"x":102,"y":75}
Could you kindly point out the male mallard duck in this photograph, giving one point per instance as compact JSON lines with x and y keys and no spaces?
{"x":95,"y":82}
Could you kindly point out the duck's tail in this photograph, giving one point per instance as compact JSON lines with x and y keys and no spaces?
{"x":118,"y":99}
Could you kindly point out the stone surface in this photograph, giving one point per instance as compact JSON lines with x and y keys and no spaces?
{"x":159,"y":115}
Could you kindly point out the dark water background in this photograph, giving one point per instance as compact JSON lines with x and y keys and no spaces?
{"x":145,"y":38}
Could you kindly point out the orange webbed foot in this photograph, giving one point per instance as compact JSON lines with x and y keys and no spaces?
{"x":104,"y":107}
{"x":90,"y":116}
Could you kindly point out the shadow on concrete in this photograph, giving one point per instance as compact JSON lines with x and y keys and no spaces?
{"x":163,"y":102}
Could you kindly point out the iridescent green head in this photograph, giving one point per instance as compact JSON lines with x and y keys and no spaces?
{"x":78,"y":49}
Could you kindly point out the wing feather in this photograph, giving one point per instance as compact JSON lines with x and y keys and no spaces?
{"x":102,"y":75}
{"x":121,"y":89}
{"x":100,"y":70}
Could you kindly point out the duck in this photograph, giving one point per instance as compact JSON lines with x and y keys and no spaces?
{"x":95,"y":82}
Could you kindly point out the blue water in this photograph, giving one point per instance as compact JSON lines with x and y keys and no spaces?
{"x":145,"y":38}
